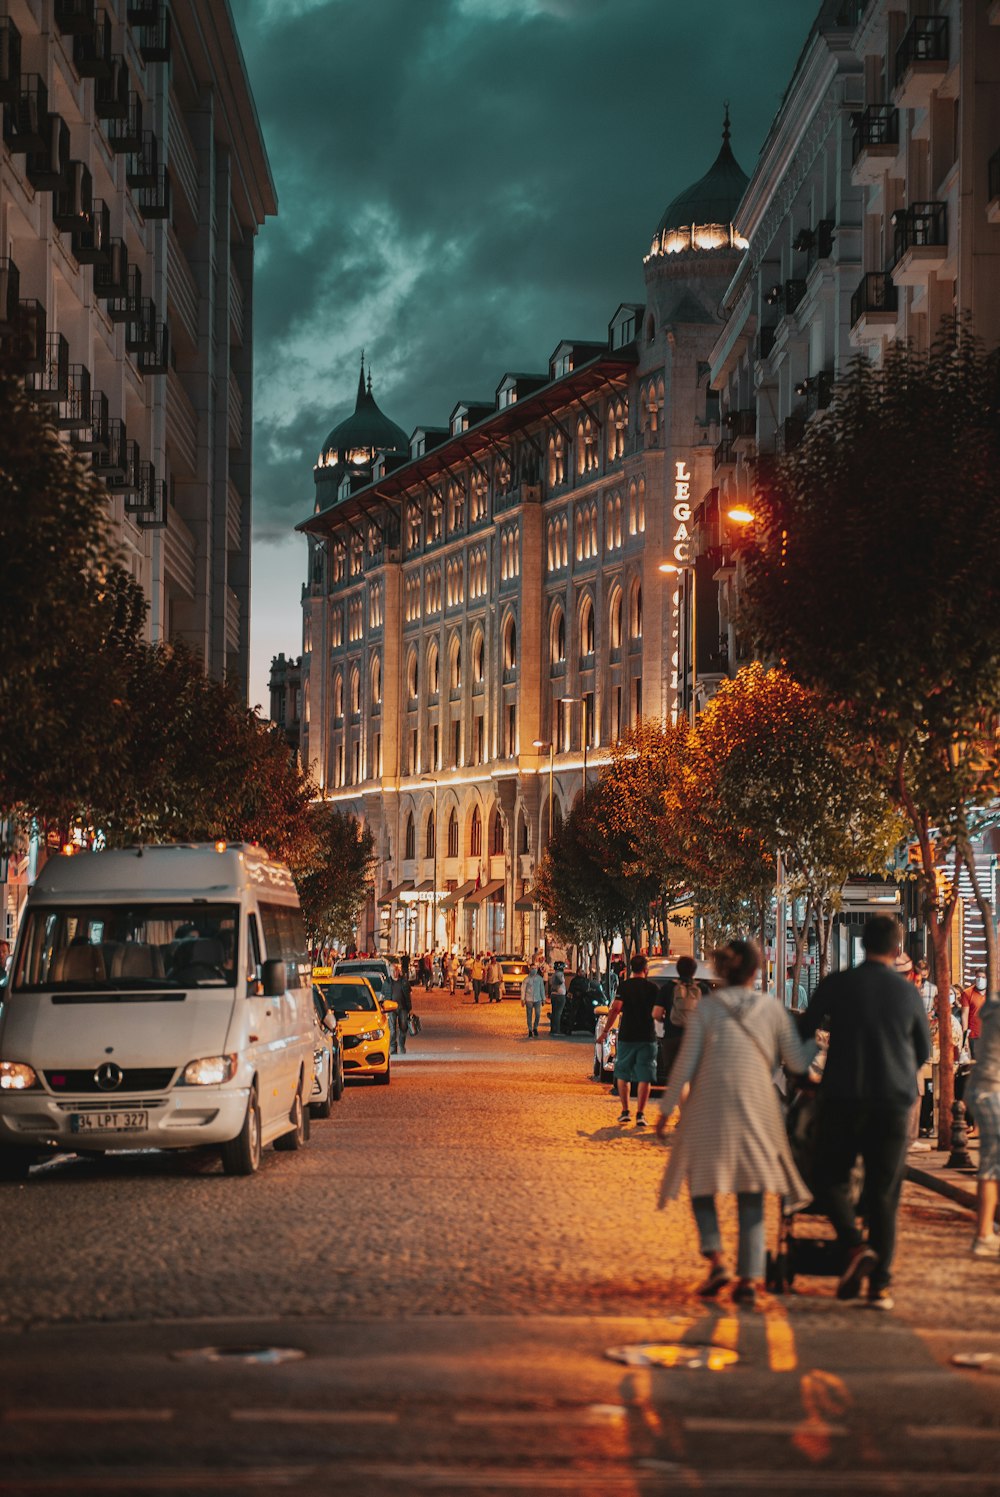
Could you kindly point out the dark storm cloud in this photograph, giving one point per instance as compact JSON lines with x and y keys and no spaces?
{"x":464,"y":182}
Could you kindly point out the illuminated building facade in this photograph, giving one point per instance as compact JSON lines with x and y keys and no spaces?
{"x":484,"y":613}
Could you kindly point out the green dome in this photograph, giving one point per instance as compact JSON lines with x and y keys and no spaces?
{"x":368,"y":430}
{"x":712,"y":200}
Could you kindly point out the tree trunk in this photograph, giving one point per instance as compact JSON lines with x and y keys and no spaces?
{"x":801,"y":938}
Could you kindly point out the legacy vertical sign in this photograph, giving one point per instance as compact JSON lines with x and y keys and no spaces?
{"x":682,"y":512}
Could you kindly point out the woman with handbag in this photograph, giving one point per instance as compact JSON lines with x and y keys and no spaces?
{"x":731,"y":1138}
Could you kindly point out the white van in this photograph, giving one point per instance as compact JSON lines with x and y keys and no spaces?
{"x":159,"y":997}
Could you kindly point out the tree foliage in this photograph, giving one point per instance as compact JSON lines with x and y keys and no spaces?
{"x":869,"y":584}
{"x":333,"y":868}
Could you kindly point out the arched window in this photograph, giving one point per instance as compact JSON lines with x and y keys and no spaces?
{"x":412,"y":675}
{"x":453,"y":835}
{"x":615,"y":620}
{"x":355,"y":691}
{"x":376,"y":681}
{"x":478,"y":659}
{"x":455,"y":663}
{"x":338,"y":695}
{"x":429,"y":840}
{"x":411,"y":837}
{"x":650,"y":328}
{"x":497,"y":844}
{"x":635,"y":611}
{"x":557,"y":637}
{"x":586,"y":627}
{"x":476,"y":834}
{"x":510,"y":645}
{"x":524,"y":848}
{"x":433,"y":672}
{"x":564,"y":541}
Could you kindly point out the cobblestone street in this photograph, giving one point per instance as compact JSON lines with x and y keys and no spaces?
{"x":455,"y":1254}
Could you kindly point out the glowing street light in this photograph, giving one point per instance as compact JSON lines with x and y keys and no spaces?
{"x":740,"y":515}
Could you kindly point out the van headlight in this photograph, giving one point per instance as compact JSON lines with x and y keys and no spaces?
{"x":16,"y":1077}
{"x":213,"y":1070}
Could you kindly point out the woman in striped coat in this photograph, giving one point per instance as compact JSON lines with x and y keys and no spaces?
{"x":731,"y":1138}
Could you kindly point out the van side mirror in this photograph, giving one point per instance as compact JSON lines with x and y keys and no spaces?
{"x":330,"y":1022}
{"x":274,"y":978}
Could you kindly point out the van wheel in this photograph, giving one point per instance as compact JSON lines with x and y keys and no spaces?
{"x":299,"y":1135}
{"x":323,"y":1109}
{"x":241,"y":1155}
{"x":384,"y":1077}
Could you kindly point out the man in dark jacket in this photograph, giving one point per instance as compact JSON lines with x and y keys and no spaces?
{"x":879,"y":1039}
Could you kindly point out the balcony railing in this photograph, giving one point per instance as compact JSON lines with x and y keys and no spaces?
{"x":817,"y":391}
{"x":26,"y":121}
{"x":765,"y":341}
{"x":125,"y":304}
{"x":51,"y":382}
{"x":111,"y":274}
{"x":125,"y":131}
{"x":76,"y":17}
{"x":877,"y":126}
{"x":74,"y":200}
{"x":10,"y":293}
{"x":30,"y":334}
{"x":92,"y":241}
{"x":154,"y":201}
{"x":877,"y":293}
{"x":95,"y":434}
{"x":10,"y":61}
{"x":154,"y":39}
{"x":724,"y":455}
{"x":123,"y":478}
{"x":742,"y":424}
{"x":142,"y":165}
{"x":111,"y":92}
{"x":153,"y":515}
{"x":92,"y":54}
{"x":140,"y":335}
{"x":795,"y":290}
{"x":142,"y":498}
{"x":926,"y":40}
{"x":919,"y":226}
{"x":110,"y":458}
{"x":143,"y":12}
{"x":48,"y":169}
{"x":74,"y":409}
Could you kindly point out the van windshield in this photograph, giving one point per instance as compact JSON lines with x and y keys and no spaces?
{"x":111,"y":947}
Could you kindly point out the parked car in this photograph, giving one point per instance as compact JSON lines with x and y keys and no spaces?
{"x":515,"y":970}
{"x":584,"y":995}
{"x":328,"y":1059}
{"x":376,"y":969}
{"x":363,"y":1024}
{"x":663,"y":972}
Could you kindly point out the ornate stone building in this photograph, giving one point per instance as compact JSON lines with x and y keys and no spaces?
{"x":485,"y":614}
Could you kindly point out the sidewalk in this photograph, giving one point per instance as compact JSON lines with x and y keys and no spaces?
{"x":928,"y":1168}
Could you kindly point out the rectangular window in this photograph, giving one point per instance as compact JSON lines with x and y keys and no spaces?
{"x":356,"y":764}
{"x":638,"y":699}
{"x":480,"y":741}
{"x":339,"y":776}
{"x":511,"y":731}
{"x":377,"y":755}
{"x":284,"y":936}
{"x":618,"y":712}
{"x":435,"y":748}
{"x":588,"y":718}
{"x":562,"y":741}
{"x":456,"y":744}
{"x":413,"y":751}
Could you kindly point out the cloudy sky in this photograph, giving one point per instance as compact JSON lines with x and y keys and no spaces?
{"x":461,"y":184}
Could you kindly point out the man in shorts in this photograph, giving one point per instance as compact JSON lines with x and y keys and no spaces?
{"x":639,"y":1003}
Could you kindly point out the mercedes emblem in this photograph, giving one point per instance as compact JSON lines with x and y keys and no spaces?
{"x":109,"y":1076}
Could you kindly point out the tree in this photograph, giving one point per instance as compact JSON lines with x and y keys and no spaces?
{"x":332,"y":871}
{"x":868,"y":582}
{"x":582,"y":903}
{"x":793,"y":773}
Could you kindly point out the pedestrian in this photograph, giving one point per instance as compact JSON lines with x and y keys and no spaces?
{"x":477,"y":969}
{"x":879,"y":1039}
{"x":638,"y":1003}
{"x":404,"y":963}
{"x":973,"y":998}
{"x":557,"y":997}
{"x":533,"y":996}
{"x":399,"y":993}
{"x":984,"y":1091}
{"x":926,"y":988}
{"x":452,"y":961}
{"x":731,"y":1138}
{"x":684,"y":1000}
{"x":494,"y":979}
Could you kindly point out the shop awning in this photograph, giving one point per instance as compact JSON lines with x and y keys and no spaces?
{"x":527,"y":901}
{"x":391,"y":894}
{"x":462,"y":892}
{"x":476,"y":896}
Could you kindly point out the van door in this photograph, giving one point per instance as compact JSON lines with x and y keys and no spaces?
{"x":264,"y":1032}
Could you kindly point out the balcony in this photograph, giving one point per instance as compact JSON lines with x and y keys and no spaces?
{"x":47,"y":170}
{"x":153,"y":515}
{"x":74,"y":409}
{"x":154,"y":201}
{"x":74,"y":200}
{"x":874,"y":306}
{"x":725,"y":457}
{"x":142,"y":166}
{"x":993,"y":189}
{"x":140,"y":335}
{"x":155,"y":359}
{"x":921,"y":62}
{"x":143,"y":12}
{"x":29,"y":334}
{"x":10,"y":62}
{"x":95,"y":435}
{"x":920,"y":245}
{"x":92,"y":54}
{"x":765,"y":342}
{"x":875,"y":144}
{"x":51,"y":381}
{"x":816,"y":391}
{"x":125,"y":132}
{"x":92,"y":241}
{"x":111,"y":275}
{"x":816,"y":244}
{"x":791,"y":431}
{"x":795,"y":290}
{"x":154,"y":39}
{"x":142,"y":498}
{"x":111,"y":92}
{"x":76,"y":17}
{"x":26,"y":121}
{"x":10,"y":293}
{"x":742,"y":429}
{"x":125,"y":477}
{"x":126,"y":305}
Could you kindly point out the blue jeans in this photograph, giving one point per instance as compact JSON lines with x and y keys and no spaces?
{"x":750,"y":1207}
{"x":397,"y":1031}
{"x":533,"y":1012}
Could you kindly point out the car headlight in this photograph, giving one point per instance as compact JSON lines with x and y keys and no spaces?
{"x":16,"y":1077}
{"x":371,"y":1034}
{"x":212,"y":1070}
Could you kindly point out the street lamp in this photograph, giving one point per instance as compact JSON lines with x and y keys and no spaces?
{"x":671,"y":567}
{"x":429,"y":780}
{"x":568,"y":702}
{"x":543,"y":745}
{"x":740,"y":516}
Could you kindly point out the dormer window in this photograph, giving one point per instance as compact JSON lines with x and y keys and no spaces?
{"x":507,"y":395}
{"x":562,"y":366}
{"x":459,"y":422}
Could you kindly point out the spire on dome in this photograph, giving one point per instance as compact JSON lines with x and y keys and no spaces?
{"x":361,"y":381}
{"x":369,"y":379}
{"x":725,"y":125}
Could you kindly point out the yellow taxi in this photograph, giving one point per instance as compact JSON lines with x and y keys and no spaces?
{"x":362,"y":1023}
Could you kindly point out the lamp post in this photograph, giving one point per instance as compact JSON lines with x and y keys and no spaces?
{"x":568,"y":701}
{"x":428,"y":780}
{"x":688,"y":566}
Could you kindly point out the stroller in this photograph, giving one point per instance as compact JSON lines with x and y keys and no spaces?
{"x":813,"y":1251}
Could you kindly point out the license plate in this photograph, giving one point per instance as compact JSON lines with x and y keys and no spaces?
{"x":109,"y":1122}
